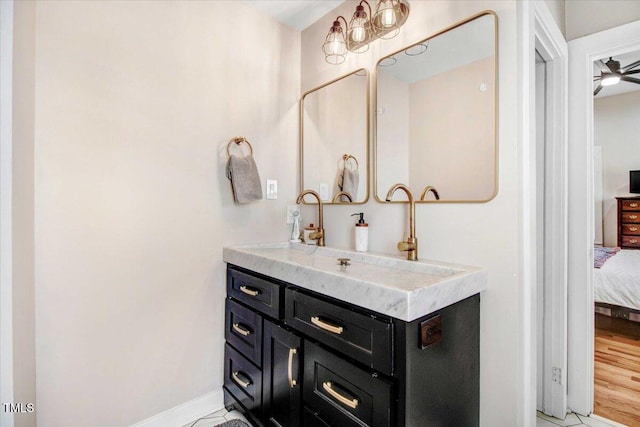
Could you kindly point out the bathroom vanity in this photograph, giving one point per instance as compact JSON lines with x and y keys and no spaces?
{"x":378,"y":342}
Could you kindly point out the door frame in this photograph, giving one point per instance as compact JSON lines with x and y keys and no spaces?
{"x":582,"y":52}
{"x":539,"y":31}
{"x":552,"y":46}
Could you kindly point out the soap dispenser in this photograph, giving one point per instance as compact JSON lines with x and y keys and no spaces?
{"x":361,"y":233}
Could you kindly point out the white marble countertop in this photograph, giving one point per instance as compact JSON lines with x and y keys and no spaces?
{"x":386,"y":284}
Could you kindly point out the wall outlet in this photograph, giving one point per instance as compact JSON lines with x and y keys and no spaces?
{"x":272,"y":189}
{"x":556,"y":375}
{"x":290,"y":210}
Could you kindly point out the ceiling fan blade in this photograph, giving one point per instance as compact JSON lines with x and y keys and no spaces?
{"x":630,"y":66}
{"x":598,"y":89}
{"x":632,"y":72}
{"x":601,"y":65}
{"x":596,"y":78}
{"x":630,"y":79}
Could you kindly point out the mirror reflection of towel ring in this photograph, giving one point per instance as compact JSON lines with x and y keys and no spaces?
{"x":239,"y":140}
{"x":346,"y":158}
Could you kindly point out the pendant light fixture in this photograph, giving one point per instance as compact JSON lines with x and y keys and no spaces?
{"x":360,"y":32}
{"x":335,"y":46}
{"x":364,"y":28}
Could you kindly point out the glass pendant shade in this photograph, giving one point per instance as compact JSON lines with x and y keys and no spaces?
{"x":335,"y":47}
{"x":359,"y":31}
{"x":386,"y":19}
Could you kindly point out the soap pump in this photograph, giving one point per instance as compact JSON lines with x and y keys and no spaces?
{"x":361,"y":233}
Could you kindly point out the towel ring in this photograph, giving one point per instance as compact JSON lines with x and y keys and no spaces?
{"x":346,"y":157}
{"x":238,"y":140}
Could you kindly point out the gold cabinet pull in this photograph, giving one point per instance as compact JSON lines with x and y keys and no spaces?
{"x":251,"y":292}
{"x":292,"y":382}
{"x":633,"y":205}
{"x":239,"y":381}
{"x":633,"y":241}
{"x":242,"y":331}
{"x":327,"y":327}
{"x":351,"y":403}
{"x":633,"y":216}
{"x":633,"y":228}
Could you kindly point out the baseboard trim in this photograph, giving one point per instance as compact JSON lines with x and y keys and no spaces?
{"x":187,"y":412}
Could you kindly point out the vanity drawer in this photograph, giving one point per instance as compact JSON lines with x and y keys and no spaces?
{"x":261,"y":294}
{"x":311,"y":419}
{"x":631,"y":217}
{"x":631,"y":241}
{"x":631,"y":205}
{"x":362,"y":337}
{"x":342,"y":393}
{"x":631,"y":229}
{"x":243,"y":330}
{"x":242,"y":379}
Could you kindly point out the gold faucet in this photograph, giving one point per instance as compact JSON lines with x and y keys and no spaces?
{"x":432,"y":189}
{"x":342,"y":193}
{"x":319,"y":233}
{"x":410,"y":246}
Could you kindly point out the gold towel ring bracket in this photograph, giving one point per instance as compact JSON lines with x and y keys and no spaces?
{"x":346,"y":157}
{"x":238,"y":140}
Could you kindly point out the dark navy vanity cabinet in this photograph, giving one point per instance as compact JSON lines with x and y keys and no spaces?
{"x":297,"y":358}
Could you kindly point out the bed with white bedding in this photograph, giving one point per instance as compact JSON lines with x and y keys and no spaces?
{"x":617,"y":283}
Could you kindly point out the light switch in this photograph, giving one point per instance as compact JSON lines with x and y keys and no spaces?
{"x":272,"y":189}
{"x":323,"y":190}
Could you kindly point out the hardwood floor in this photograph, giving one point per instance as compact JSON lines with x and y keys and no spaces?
{"x":617,"y":376}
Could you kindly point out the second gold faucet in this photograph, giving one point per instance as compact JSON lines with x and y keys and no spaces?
{"x":410,"y":246}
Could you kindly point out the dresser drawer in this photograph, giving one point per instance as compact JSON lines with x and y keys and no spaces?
{"x":256,"y":292}
{"x":631,"y":241}
{"x":631,"y":205}
{"x":242,"y":379}
{"x":631,"y":217}
{"x":631,"y":229}
{"x":362,"y":337}
{"x":342,"y":393}
{"x":243,"y":330}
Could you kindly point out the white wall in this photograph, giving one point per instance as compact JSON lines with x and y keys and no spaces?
{"x":17,"y":259}
{"x":557,"y":9}
{"x":136,"y":102}
{"x":616,"y":129}
{"x":483,"y":234}
{"x":23,"y":210}
{"x":584,"y":17}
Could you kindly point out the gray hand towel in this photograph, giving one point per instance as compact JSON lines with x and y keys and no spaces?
{"x":245,"y":180}
{"x":350,"y":181}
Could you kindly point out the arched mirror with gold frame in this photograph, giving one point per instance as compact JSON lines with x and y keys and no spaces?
{"x":436,"y":115}
{"x":334,"y":139}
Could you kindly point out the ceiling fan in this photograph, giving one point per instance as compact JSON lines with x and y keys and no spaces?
{"x":611,"y":73}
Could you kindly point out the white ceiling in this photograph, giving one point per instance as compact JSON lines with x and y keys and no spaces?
{"x":295,"y":13}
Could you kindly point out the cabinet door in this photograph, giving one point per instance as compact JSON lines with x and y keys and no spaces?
{"x":282,"y":391}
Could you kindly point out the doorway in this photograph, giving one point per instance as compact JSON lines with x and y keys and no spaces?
{"x":616,"y":279}
{"x":583,"y":52}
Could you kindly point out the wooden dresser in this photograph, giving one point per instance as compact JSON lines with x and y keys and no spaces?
{"x":629,"y":222}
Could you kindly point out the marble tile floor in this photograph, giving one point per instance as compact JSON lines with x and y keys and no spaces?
{"x":571,"y":420}
{"x":216,"y":418}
